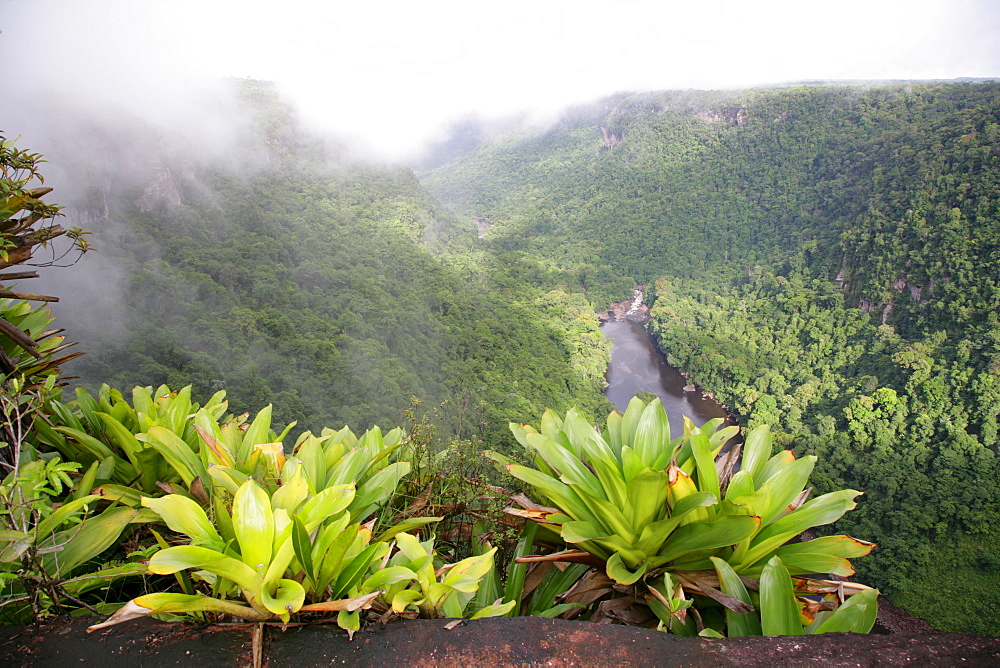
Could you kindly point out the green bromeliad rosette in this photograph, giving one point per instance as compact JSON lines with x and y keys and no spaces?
{"x":665,"y":518}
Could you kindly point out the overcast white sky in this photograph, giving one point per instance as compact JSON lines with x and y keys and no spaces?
{"x":391,"y":73}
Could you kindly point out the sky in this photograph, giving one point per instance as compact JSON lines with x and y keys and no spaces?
{"x":391,"y":75}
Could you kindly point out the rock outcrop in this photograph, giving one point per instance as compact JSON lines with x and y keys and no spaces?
{"x":633,"y":310}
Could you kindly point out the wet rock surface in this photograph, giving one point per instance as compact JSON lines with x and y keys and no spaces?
{"x":488,"y":642}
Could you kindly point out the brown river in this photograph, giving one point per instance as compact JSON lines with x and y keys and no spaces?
{"x":637,"y":365}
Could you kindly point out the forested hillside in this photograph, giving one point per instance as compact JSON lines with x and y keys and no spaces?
{"x":286,"y":272}
{"x":826,"y":260}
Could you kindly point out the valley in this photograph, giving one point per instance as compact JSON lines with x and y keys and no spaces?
{"x":822,"y":259}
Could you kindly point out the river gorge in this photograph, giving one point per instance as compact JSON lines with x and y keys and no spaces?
{"x":637,"y":365}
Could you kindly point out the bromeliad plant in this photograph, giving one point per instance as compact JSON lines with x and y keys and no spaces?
{"x":273,"y":550}
{"x":164,"y":442}
{"x":294,"y":551}
{"x":637,"y":504}
{"x":412,"y":581}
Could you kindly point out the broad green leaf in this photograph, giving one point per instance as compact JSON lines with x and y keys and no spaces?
{"x":738,"y":624}
{"x":632,"y":464}
{"x":698,"y":536}
{"x":387,"y":576}
{"x":228,"y":479}
{"x":258,"y":432}
{"x":405,"y":598}
{"x":87,"y":540}
{"x":473,"y":568}
{"x":178,"y":453}
{"x":354,"y":571}
{"x":593,"y":446}
{"x":647,"y":498}
{"x":63,"y":513}
{"x":838,"y":546}
{"x":223,"y":519}
{"x":571,"y":470}
{"x":495,"y":610}
{"x":614,"y":428}
{"x":580,"y":532}
{"x":130,"y":445}
{"x":775,"y":464}
{"x":785,"y":485}
{"x":708,"y":476}
{"x":610,"y":517}
{"x":408,"y":524}
{"x":283,"y":551}
{"x":803,"y":563}
{"x":856,"y":615}
{"x":292,"y":492}
{"x":86,"y":443}
{"x":253,"y":523}
{"x":303,"y":547}
{"x":630,"y":421}
{"x":151,"y":604}
{"x":517,"y":571}
{"x":653,"y":535}
{"x":86,"y":484}
{"x":329,"y":502}
{"x":557,"y":493}
{"x":215,"y":451}
{"x":142,"y":399}
{"x":182,"y":557}
{"x":551,"y":423}
{"x":374,"y":491}
{"x":310,"y":453}
{"x":410,"y":547}
{"x":652,"y":433}
{"x":179,"y":410}
{"x":609,"y":473}
{"x":185,"y":516}
{"x":779,"y":611}
{"x":821,"y":510}
{"x":756,"y":451}
{"x":620,"y":573}
{"x":100,"y":579}
{"x":287,"y":598}
{"x":329,"y":550}
{"x":349,"y":621}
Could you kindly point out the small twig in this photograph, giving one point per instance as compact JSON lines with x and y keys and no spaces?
{"x":257,"y":644}
{"x":27,"y":296}
{"x":18,"y":275}
{"x":79,"y":602}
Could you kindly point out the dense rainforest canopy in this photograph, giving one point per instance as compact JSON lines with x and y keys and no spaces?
{"x":823,"y":259}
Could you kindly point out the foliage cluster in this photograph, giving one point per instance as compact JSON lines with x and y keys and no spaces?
{"x":659,"y":518}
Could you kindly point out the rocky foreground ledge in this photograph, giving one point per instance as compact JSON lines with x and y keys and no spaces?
{"x":487,"y":642}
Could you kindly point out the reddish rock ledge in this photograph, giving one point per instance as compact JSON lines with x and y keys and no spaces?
{"x":489,"y":642}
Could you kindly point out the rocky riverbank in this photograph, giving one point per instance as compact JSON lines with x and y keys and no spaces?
{"x":633,"y":310}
